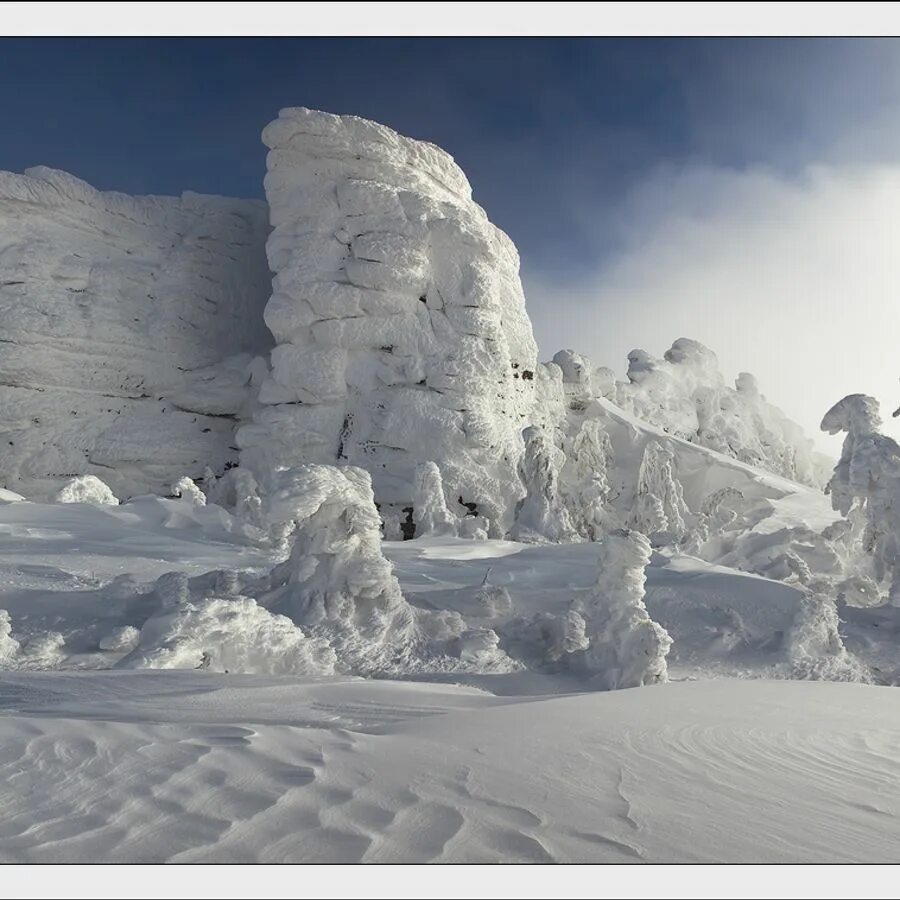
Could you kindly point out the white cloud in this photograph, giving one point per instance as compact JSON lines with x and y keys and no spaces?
{"x":795,"y":279}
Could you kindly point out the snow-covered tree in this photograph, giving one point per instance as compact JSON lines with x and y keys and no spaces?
{"x":659,"y":508}
{"x":430,"y":512}
{"x":815,"y":645}
{"x":865,"y":485}
{"x":587,"y":494}
{"x":627,"y":648}
{"x":540,"y":514}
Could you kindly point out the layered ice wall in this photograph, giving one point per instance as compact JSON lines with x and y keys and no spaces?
{"x":399,"y":319}
{"x":110,"y":305}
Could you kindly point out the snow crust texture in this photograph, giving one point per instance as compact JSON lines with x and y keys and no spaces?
{"x":112,"y":308}
{"x":398,"y":315}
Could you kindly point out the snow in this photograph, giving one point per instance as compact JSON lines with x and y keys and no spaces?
{"x":198,"y":767}
{"x":114,"y":308}
{"x":383,"y":587}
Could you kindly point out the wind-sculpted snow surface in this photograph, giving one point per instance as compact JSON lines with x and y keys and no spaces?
{"x":685,"y":394}
{"x":399,"y":318}
{"x":113,"y":308}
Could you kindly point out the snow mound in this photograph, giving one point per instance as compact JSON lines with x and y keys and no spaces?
{"x":110,"y":305}
{"x":399,"y":319}
{"x":86,"y":489}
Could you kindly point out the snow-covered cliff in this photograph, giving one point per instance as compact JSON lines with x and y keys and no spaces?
{"x":399,"y":317}
{"x":110,"y":305}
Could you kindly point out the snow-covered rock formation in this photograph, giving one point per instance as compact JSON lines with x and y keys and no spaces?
{"x":685,"y":394}
{"x":398,"y":315}
{"x":113,"y":309}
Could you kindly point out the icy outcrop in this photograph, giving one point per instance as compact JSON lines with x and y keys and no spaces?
{"x":685,"y":394}
{"x":86,"y":489}
{"x":398,"y":315}
{"x":627,"y":648}
{"x":114,"y":308}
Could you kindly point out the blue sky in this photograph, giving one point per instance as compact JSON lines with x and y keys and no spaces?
{"x":652,"y":185}
{"x":549,"y":131}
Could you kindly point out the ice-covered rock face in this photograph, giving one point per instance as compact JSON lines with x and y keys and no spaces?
{"x":109,"y":305}
{"x":398,"y":314}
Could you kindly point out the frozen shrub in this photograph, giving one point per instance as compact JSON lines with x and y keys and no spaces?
{"x":86,"y":489}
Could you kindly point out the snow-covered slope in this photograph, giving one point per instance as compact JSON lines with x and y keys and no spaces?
{"x":399,"y":317}
{"x":195,"y":767}
{"x":110,"y":305}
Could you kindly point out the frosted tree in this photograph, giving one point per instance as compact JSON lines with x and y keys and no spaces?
{"x":627,"y":648}
{"x":815,"y":645}
{"x":430,"y":512}
{"x":591,"y":457}
{"x":659,"y":508}
{"x":540,"y":514}
{"x":865,"y":486}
